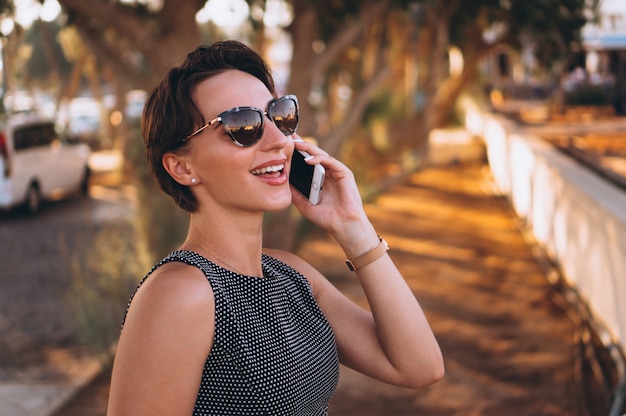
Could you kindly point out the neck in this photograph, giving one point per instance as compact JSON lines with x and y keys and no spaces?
{"x":234,"y":244}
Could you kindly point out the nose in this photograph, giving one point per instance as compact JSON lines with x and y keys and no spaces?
{"x":273,"y":138}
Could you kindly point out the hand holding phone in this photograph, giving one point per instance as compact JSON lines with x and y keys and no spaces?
{"x":307,"y":179}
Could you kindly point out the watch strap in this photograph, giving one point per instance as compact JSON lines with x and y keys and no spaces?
{"x":369,"y":256}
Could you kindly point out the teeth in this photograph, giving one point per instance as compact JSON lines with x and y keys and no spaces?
{"x":268,"y":169}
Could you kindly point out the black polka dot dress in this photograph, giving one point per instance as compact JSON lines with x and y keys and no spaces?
{"x":273,"y":353}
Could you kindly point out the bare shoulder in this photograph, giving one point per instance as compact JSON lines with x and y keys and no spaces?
{"x":167,"y":336}
{"x":178,"y":281}
{"x":175,"y":291}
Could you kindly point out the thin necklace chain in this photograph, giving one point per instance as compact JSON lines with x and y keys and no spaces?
{"x":216,"y":257}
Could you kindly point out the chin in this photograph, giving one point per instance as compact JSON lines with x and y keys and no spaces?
{"x":279,"y":203}
{"x":279,"y":206}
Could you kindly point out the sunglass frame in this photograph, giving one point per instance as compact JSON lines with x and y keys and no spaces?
{"x":260,"y":129}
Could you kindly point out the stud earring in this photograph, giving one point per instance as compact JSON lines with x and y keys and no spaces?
{"x":194,"y":181}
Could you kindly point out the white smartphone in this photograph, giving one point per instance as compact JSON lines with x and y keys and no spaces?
{"x":307,"y":179}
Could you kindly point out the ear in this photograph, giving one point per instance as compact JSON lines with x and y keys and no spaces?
{"x":176,"y":166}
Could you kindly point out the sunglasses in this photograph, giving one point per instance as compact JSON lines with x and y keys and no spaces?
{"x":244,"y":125}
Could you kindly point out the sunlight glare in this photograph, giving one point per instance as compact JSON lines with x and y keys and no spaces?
{"x":50,"y":10}
{"x":6,"y":26}
{"x":278,"y":13}
{"x":224,"y":13}
{"x":26,"y":12}
{"x":455,"y":57}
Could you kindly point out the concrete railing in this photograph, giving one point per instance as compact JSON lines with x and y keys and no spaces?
{"x":577,"y":217}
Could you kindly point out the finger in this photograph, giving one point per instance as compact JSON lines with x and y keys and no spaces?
{"x":298,"y":199}
{"x":310,"y":148}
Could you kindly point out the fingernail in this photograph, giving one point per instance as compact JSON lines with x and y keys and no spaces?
{"x":298,"y":140}
{"x":308,"y":157}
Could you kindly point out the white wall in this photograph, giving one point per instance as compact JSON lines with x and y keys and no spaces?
{"x":576,"y":216}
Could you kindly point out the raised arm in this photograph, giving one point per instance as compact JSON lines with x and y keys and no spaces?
{"x":394,"y":342}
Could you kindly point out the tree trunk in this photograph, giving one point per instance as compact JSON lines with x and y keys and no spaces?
{"x":48,"y":47}
{"x":333,"y":142}
{"x":304,"y":31}
{"x":308,"y":70}
{"x":139,"y":52}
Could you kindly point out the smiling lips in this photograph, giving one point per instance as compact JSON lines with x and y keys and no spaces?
{"x":268,"y":169}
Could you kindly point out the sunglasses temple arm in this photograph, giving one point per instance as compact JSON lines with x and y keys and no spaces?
{"x":201,"y":129}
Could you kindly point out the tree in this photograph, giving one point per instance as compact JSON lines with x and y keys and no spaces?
{"x":140,"y":40}
{"x":353,"y":61}
{"x":551,"y":28}
{"x":139,"y":43}
{"x":46,"y":65}
{"x":412,"y":50}
{"x":336,"y":29}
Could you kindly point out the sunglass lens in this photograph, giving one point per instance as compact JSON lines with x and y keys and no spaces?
{"x":284,"y":113}
{"x":244,"y":126}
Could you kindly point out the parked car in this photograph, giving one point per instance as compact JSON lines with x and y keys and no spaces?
{"x":38,"y":162}
{"x":82,"y":117}
{"x":135,"y":101}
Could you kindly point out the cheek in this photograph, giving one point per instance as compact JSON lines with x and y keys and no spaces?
{"x":224,"y":172}
{"x":217,"y":157}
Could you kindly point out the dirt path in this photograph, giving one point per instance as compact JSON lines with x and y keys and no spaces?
{"x":509,"y":349}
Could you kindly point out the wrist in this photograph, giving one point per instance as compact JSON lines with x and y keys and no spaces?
{"x":369,"y":256}
{"x":357,"y":238}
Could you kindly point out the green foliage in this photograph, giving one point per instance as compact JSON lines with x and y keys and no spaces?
{"x":47,"y":55}
{"x":104,"y":274}
{"x":592,"y":95}
{"x":382,"y":106}
{"x":154,"y":205}
{"x":473,"y":14}
{"x":108,"y":268}
{"x":553,"y":26}
{"x":171,"y":221}
{"x":7,"y":7}
{"x":333,"y":14}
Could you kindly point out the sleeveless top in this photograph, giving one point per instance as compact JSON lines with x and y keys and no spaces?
{"x":273,"y":351}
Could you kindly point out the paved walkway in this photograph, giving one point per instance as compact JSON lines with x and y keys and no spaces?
{"x":42,"y":390}
{"x":508,"y":348}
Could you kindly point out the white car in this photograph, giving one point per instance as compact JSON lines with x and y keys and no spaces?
{"x":38,"y":162}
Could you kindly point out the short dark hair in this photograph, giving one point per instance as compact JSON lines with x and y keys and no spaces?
{"x":170,"y":113}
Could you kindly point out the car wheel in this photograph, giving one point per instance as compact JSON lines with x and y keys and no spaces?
{"x":33,"y":199}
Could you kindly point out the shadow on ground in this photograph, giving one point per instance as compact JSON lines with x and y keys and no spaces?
{"x":508,"y":347}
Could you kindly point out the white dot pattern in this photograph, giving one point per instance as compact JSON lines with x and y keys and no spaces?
{"x":273,"y":353}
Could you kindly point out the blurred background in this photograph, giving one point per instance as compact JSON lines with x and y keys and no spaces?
{"x":357,"y":66}
{"x":380,"y":84}
{"x":374,"y":78}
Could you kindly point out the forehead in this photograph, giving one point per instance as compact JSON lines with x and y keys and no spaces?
{"x":231,"y":88}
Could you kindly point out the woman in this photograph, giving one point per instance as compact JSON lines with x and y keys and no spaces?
{"x":223,"y":326}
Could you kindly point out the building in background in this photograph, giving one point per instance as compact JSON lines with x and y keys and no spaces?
{"x":605,"y":51}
